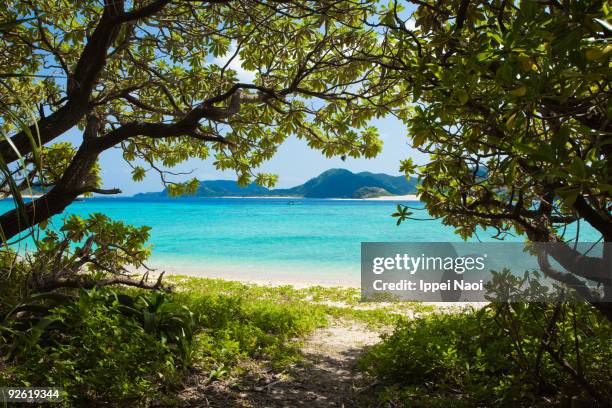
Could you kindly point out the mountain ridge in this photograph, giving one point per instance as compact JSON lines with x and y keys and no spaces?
{"x":332,"y":183}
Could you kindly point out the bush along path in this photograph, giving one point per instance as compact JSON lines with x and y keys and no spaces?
{"x":287,"y":347}
{"x":412,"y":355}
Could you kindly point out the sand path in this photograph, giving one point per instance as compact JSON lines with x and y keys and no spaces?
{"x":326,"y":376}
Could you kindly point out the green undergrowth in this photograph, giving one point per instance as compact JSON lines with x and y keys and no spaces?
{"x":132,"y":346}
{"x":506,"y":354}
{"x":336,"y":302}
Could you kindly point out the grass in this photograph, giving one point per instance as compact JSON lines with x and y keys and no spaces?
{"x":135,"y":347}
{"x":336,"y":302}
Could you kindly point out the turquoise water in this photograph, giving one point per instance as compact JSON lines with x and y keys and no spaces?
{"x":313,"y":238}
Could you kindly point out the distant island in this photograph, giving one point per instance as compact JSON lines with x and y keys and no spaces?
{"x":333,"y":183}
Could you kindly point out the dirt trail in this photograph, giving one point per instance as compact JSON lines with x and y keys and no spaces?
{"x":327,"y":376}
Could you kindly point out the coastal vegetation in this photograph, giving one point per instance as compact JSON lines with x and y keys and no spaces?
{"x":509,"y":100}
{"x":131,"y":346}
{"x":144,"y":348}
{"x":502,"y":355}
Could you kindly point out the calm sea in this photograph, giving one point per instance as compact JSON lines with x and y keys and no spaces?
{"x":317,"y":239}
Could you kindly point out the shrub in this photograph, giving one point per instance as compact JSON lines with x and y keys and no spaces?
{"x":237,"y":321}
{"x":507,"y":354}
{"x":99,"y":345}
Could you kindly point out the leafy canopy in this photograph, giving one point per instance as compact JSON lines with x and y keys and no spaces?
{"x":165,"y":81}
{"x":177,"y":66}
{"x":511,"y":101}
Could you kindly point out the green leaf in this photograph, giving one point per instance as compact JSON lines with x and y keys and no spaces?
{"x":461,"y":95}
{"x":578,"y":168}
{"x":561,"y":137}
{"x":419,"y":138}
{"x":569,"y":196}
{"x":138,"y":173}
{"x":7,"y":26}
{"x":520,"y":91}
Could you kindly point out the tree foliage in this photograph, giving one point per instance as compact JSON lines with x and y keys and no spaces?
{"x":511,"y":101}
{"x":156,"y":79}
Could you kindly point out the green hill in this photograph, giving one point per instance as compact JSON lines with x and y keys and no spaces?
{"x":341,"y":183}
{"x":333,"y":183}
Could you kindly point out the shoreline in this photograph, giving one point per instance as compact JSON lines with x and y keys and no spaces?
{"x":257,"y":277}
{"x":405,"y":197}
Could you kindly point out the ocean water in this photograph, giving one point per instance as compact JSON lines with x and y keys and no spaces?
{"x":259,"y":238}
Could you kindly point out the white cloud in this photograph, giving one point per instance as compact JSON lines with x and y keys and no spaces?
{"x":235,"y":64}
{"x":411,"y":24}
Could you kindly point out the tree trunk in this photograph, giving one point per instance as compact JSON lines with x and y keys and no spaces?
{"x":65,"y":191}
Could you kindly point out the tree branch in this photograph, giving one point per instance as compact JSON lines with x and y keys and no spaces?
{"x":88,"y":283}
{"x":597,"y":220}
{"x":593,"y":268}
{"x":80,"y":83}
{"x":564,"y":277}
{"x":101,"y":191}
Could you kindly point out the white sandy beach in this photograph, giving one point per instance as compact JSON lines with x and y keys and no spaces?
{"x":406,"y":197}
{"x":266,"y":278}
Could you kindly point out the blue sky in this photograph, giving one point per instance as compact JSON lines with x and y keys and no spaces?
{"x":294,"y":163}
